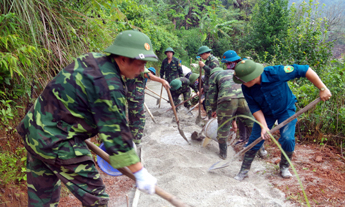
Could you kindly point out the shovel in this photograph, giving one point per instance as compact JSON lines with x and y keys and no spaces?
{"x":160,"y":98}
{"x":193,"y":107}
{"x":222,"y":164}
{"x":178,"y":122}
{"x":198,"y":118}
{"x":182,"y":102}
{"x":125,"y":171}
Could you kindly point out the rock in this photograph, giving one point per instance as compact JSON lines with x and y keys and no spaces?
{"x":318,"y":159}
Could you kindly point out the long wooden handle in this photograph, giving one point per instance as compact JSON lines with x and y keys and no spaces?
{"x":125,"y":171}
{"x":148,"y":110}
{"x":306,"y":108}
{"x":155,"y":93}
{"x":183,"y":102}
{"x":200,"y":92}
{"x":172,"y":105}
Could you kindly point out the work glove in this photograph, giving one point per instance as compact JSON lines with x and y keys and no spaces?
{"x":145,"y":181}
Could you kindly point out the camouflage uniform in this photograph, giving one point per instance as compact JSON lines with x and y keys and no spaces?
{"x":135,"y":99}
{"x":211,"y":62}
{"x":185,"y":90}
{"x":171,"y":70}
{"x":85,"y":99}
{"x":227,"y":99}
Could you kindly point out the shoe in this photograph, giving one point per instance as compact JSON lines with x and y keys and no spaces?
{"x":284,"y":165}
{"x":223,"y":150}
{"x":285,"y":173}
{"x":247,"y":162}
{"x":241,"y":175}
{"x":262,"y":152}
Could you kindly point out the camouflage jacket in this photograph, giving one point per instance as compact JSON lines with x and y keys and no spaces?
{"x":184,"y":87}
{"x":85,"y":99}
{"x":222,"y":88}
{"x":136,"y":87}
{"x":172,"y":70}
{"x":211,"y":62}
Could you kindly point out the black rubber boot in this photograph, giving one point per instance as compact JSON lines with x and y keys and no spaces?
{"x":247,"y":162}
{"x":223,"y":150}
{"x":284,"y":165}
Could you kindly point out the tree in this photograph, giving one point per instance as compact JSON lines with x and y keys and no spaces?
{"x":268,"y":22}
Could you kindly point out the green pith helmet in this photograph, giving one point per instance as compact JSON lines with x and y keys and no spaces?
{"x":169,"y":49}
{"x":203,"y":49}
{"x":133,"y":44}
{"x":175,"y":84}
{"x":216,"y":69}
{"x":247,"y":70}
{"x":193,"y":77}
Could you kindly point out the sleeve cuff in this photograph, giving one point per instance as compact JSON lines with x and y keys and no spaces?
{"x":124,"y":159}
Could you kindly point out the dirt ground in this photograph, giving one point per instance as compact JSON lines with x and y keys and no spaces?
{"x":181,"y":170}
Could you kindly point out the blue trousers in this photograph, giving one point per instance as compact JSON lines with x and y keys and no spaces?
{"x":287,"y":133}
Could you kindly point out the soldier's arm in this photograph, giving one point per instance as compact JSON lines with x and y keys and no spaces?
{"x":151,"y":76}
{"x":179,"y":69}
{"x":161,"y":72}
{"x":212,"y":95}
{"x":214,"y":63}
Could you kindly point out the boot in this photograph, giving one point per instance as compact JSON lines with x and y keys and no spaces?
{"x":223,"y":150}
{"x":262,"y":152}
{"x":284,"y":165}
{"x":247,"y":162}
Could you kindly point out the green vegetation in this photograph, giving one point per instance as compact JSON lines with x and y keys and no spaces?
{"x":39,"y":37}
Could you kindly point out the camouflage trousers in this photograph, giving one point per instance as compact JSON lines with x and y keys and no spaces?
{"x":82,"y":179}
{"x":186,"y":95}
{"x":228,"y":109}
{"x":136,"y":119}
{"x":207,"y":106}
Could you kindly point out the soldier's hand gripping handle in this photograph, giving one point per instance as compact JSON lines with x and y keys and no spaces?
{"x":145,"y":181}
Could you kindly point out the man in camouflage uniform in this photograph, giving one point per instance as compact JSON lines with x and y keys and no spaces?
{"x":227,"y":100}
{"x":180,"y":86}
{"x":211,"y":62}
{"x":171,"y":66}
{"x":135,"y":99}
{"x":85,"y":99}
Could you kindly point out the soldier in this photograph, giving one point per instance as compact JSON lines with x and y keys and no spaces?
{"x":180,"y":86}
{"x":135,"y":99}
{"x":269,"y":99}
{"x":171,"y":66}
{"x":227,"y":100}
{"x":230,"y":58}
{"x":211,"y":62}
{"x":85,"y":99}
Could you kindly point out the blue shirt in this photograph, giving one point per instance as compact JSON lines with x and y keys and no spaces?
{"x":273,"y":96}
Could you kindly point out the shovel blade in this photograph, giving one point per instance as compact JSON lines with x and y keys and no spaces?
{"x":182,"y":134}
{"x":219,"y":165}
{"x":198,"y":119}
{"x":206,"y":141}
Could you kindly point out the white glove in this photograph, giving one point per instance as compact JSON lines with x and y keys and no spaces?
{"x":145,"y":181}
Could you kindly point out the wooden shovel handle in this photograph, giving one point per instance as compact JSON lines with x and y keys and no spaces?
{"x":172,"y":105}
{"x":183,"y":102}
{"x":306,"y":108}
{"x":160,"y":98}
{"x":200,"y":91}
{"x":125,"y":171}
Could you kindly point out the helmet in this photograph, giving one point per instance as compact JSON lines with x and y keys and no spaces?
{"x":193,"y":77}
{"x":175,"y":84}
{"x":203,"y":49}
{"x":216,"y":69}
{"x":247,"y":70}
{"x":169,"y":49}
{"x":230,"y":56}
{"x":152,"y":69}
{"x":133,"y":44}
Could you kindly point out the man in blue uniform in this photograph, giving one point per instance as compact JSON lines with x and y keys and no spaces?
{"x":269,"y":99}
